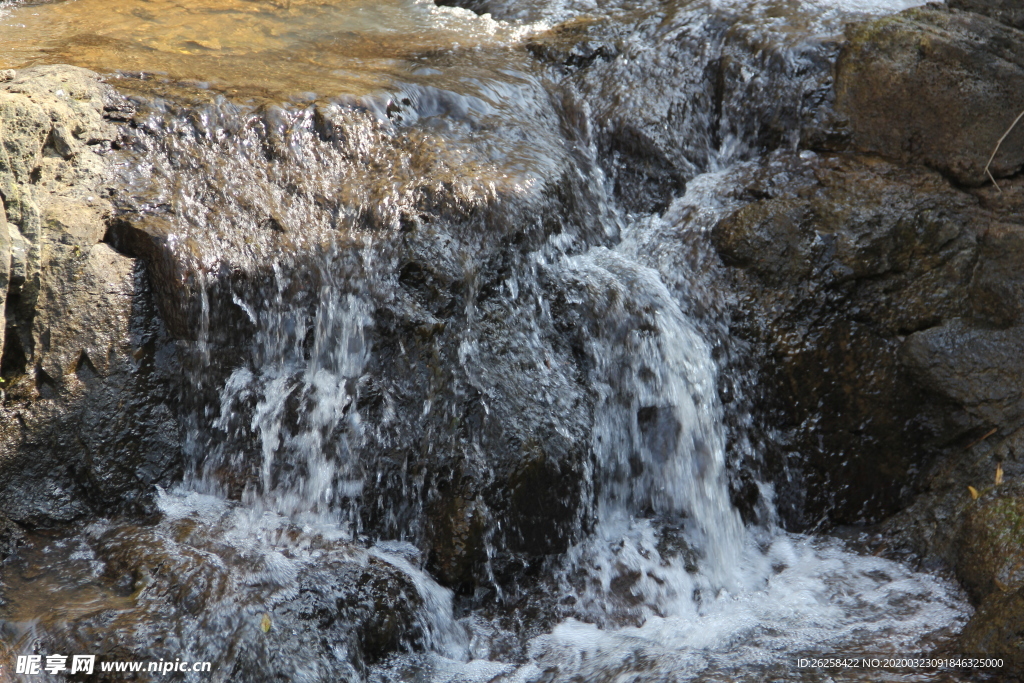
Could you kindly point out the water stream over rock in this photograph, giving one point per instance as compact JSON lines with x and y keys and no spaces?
{"x":458,"y":397}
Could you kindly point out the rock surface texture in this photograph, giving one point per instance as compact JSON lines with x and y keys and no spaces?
{"x":84,"y":417}
{"x":1007,"y":11}
{"x":936,"y":87}
{"x":838,"y":264}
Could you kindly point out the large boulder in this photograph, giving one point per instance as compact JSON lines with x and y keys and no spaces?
{"x":461,"y":414}
{"x":838,"y":264}
{"x":85,"y":418}
{"x":936,"y":87}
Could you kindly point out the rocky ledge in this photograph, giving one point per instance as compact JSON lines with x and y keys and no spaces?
{"x":86,"y":422}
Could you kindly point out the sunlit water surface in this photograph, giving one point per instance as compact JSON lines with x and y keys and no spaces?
{"x":248,"y":48}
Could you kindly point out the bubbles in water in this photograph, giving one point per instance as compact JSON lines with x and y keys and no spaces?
{"x":657,"y":434}
{"x":796,"y":596}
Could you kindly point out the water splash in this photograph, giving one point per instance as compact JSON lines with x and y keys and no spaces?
{"x":658,"y":435}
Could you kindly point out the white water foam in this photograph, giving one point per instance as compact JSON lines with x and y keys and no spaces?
{"x":797,"y":597}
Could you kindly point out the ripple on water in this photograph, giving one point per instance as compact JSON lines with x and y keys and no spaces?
{"x":276,"y":49}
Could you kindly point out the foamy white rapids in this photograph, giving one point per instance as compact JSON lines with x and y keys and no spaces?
{"x":670,"y":586}
{"x":657,"y":435}
{"x":877,"y":7}
{"x":794,"y":597}
{"x":273,"y":549}
{"x":541,"y":13}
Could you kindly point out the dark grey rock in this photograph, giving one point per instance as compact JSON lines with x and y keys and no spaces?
{"x":979,"y":370}
{"x":834,"y":260}
{"x":1007,"y":11}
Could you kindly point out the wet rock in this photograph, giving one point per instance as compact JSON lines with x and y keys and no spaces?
{"x":997,"y":630}
{"x":11,"y":535}
{"x":453,"y":386}
{"x":576,"y":43}
{"x":885,"y":307}
{"x":931,"y":526}
{"x":975,"y":533}
{"x":457,"y":390}
{"x":1006,"y":11}
{"x":5,"y":274}
{"x":935,"y":87}
{"x":684,"y":87}
{"x":976,"y":369}
{"x":490,"y":462}
{"x":198,"y":588}
{"x":835,"y":260}
{"x":85,"y":421}
{"x":997,"y":292}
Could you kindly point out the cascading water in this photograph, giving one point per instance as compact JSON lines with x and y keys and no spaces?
{"x":402,"y":312}
{"x":657,"y":439}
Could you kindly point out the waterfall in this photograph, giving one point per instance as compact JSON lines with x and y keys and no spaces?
{"x":425,"y":333}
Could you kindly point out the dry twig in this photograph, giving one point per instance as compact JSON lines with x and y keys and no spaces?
{"x":996,"y":150}
{"x":987,"y":434}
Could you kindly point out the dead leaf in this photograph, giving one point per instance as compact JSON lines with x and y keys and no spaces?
{"x":974,"y":492}
{"x":265,"y":623}
{"x":999,"y":474}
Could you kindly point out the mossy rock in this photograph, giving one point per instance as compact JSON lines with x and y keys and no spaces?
{"x":935,"y":87}
{"x":997,"y":630}
{"x":991,"y":542}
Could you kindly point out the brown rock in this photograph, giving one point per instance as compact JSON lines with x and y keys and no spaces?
{"x":997,"y":630}
{"x":84,"y":419}
{"x":935,"y":87}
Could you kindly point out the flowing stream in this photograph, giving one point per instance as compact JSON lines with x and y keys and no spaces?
{"x":402,"y":269}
